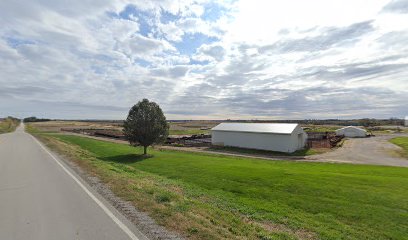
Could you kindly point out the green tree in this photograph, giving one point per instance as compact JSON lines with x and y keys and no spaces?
{"x":145,"y":125}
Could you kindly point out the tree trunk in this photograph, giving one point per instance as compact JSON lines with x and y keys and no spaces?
{"x":144,"y":150}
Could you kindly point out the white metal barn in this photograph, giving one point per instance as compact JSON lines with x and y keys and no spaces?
{"x":351,"y":131}
{"x":281,"y":137}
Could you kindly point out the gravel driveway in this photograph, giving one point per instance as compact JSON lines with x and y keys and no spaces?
{"x":374,"y":150}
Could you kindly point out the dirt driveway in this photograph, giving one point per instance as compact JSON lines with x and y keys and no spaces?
{"x":375,"y":150}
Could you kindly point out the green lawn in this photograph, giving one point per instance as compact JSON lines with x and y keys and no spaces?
{"x":222,"y":197}
{"x":300,"y":153}
{"x":403,"y":143}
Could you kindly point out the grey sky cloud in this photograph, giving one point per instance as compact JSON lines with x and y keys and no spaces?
{"x":173,"y":72}
{"x":397,"y":6}
{"x":22,"y":90}
{"x":341,"y":73}
{"x":354,"y":99}
{"x":327,"y":38}
{"x":395,"y":40}
{"x":215,"y":51}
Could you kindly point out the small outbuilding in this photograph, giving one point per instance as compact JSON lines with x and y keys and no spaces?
{"x":351,"y":132}
{"x":280,"y":137}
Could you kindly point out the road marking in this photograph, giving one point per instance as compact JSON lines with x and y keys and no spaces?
{"x":100,"y":204}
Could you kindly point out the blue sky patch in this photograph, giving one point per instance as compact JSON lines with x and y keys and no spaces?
{"x":166,"y":17}
{"x":145,"y":26}
{"x":142,"y":63}
{"x":213,"y":12}
{"x":104,"y":57}
{"x":195,"y":62}
{"x":16,"y":42}
{"x":97,"y":69}
{"x":192,"y":41}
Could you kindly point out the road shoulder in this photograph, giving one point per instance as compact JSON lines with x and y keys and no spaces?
{"x":143,"y":226}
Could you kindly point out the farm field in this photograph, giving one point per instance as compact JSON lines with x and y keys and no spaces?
{"x":8,"y":125}
{"x":321,"y":128}
{"x":219,"y":197}
{"x":56,"y":126}
{"x":388,"y":129}
{"x":191,"y":127}
{"x":403,"y":143}
{"x":176,"y":128}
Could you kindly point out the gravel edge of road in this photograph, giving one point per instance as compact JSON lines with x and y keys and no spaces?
{"x":141,"y":220}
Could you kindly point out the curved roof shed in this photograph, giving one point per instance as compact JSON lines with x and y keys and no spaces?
{"x":351,"y":132}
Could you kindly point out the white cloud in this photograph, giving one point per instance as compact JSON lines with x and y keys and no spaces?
{"x":272,"y":58}
{"x":171,"y":31}
{"x":209,"y":52}
{"x":140,"y":45}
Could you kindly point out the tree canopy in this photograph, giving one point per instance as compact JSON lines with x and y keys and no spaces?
{"x":145,"y":124}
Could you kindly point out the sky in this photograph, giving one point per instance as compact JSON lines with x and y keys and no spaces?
{"x":203,"y":59}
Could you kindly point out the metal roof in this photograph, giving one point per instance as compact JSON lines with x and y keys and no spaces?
{"x":278,"y":128}
{"x":351,"y":127}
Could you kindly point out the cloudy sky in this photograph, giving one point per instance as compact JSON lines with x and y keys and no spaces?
{"x":204,"y":59}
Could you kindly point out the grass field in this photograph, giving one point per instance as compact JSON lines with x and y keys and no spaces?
{"x":321,"y":128}
{"x":302,"y":152}
{"x":8,"y":125}
{"x":403,"y":143}
{"x":221,"y":197}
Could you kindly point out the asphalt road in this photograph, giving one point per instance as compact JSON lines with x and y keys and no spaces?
{"x":41,"y":198}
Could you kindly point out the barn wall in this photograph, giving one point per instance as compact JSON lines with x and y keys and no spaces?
{"x":299,"y":141}
{"x":262,"y":141}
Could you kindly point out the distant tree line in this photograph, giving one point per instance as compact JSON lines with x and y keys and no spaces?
{"x":34,"y":119}
{"x":366,"y":122}
{"x":13,"y":119}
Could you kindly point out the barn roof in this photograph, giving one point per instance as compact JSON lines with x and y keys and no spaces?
{"x":277,"y":128}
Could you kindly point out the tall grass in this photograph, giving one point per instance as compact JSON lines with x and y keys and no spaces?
{"x":403,"y":143}
{"x":8,"y":125}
